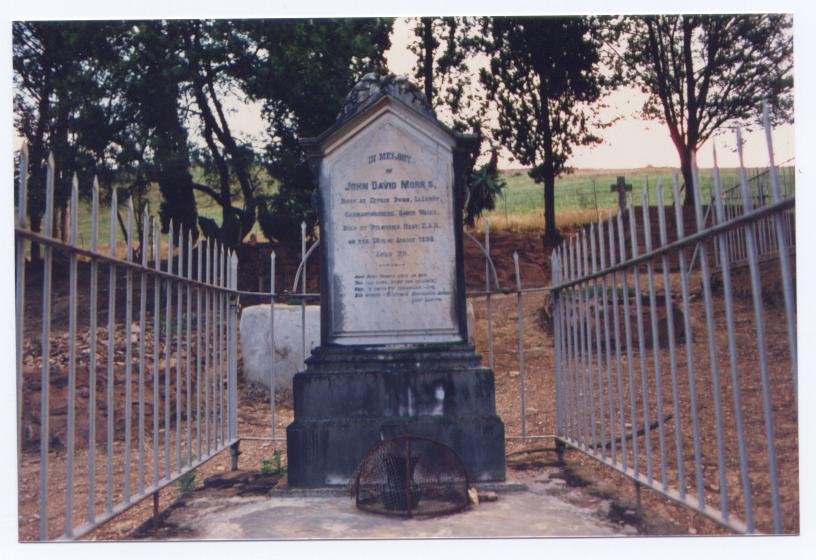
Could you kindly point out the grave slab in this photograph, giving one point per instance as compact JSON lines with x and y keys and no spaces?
{"x":542,"y":507}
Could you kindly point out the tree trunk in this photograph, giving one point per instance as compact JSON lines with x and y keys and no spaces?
{"x":428,"y":57}
{"x":176,"y":187}
{"x":169,"y":139}
{"x":551,"y":233}
{"x":688,"y":180}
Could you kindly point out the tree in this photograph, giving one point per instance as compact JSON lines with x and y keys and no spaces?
{"x":212,"y":49}
{"x":703,"y":71}
{"x":104,"y":97}
{"x":154,"y":73}
{"x":52,"y":76}
{"x":442,"y":47}
{"x":545,"y":84}
{"x":302,"y":70}
{"x":120,"y":98}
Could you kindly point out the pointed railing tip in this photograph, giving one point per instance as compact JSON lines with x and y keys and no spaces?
{"x":156,"y":244}
{"x":73,"y":211}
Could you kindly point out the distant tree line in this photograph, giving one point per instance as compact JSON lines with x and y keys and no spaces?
{"x":145,"y":102}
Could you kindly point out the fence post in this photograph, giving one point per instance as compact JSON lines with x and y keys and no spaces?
{"x":303,"y":295}
{"x":22,"y":194}
{"x":233,"y":348}
{"x":556,"y":307}
{"x":272,"y":341}
{"x":554,"y":300}
{"x":72,"y":359}
{"x":232,"y":357}
{"x":521,"y":346}
{"x":759,"y":326}
{"x":488,"y":300}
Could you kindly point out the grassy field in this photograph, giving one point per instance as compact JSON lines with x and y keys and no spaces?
{"x":584,"y":195}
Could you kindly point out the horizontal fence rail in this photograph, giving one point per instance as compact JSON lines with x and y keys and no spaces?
{"x":685,"y":381}
{"x":126,"y":360}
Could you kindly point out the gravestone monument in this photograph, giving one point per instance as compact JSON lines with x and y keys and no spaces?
{"x":621,"y":187}
{"x":394,"y":357}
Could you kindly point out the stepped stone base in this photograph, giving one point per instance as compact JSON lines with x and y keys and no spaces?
{"x":350,"y":398}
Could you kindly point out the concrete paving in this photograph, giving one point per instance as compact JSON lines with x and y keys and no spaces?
{"x":547,"y":508}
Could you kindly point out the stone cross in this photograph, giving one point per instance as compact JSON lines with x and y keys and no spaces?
{"x":622,"y":188}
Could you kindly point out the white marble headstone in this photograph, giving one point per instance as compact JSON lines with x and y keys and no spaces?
{"x":387,"y":189}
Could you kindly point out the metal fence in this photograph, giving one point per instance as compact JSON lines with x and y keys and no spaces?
{"x":639,"y":352}
{"x":684,"y":384}
{"x":759,"y":192}
{"x":120,"y":397}
{"x":667,"y":375}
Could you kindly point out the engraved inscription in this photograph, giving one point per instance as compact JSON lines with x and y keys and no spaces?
{"x":393,"y":244}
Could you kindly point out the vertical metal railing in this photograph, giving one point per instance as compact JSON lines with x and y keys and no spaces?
{"x":142,"y":361}
{"x":721,"y":316}
{"x":761,"y":187}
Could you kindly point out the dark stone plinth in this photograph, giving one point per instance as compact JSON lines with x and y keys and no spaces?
{"x":349,"y":398}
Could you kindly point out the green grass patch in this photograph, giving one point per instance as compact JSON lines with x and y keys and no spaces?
{"x":585,"y":195}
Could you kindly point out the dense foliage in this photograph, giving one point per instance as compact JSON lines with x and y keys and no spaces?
{"x":122,"y":100}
